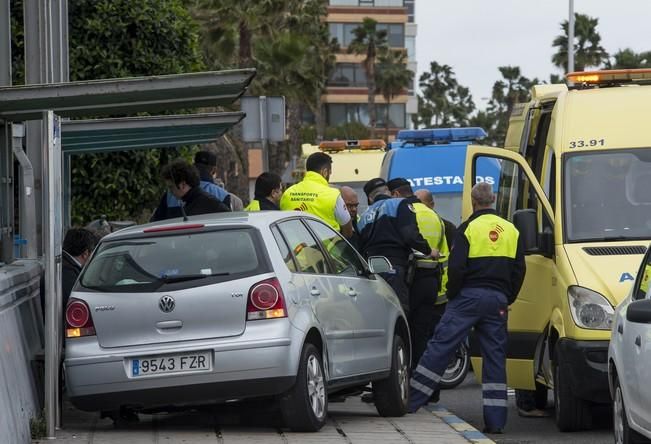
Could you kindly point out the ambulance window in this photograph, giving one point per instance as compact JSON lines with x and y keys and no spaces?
{"x":642,"y":286}
{"x":549,"y":177}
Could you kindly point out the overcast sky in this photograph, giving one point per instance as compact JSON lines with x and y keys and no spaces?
{"x":477,"y":36}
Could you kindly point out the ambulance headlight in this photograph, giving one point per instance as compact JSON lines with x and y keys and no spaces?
{"x":590,"y":309}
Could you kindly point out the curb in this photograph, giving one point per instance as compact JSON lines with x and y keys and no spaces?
{"x":470,"y":433}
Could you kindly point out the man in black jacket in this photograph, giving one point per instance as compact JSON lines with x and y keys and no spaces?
{"x":183,"y":182}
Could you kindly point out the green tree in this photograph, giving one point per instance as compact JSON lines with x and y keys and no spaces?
{"x":119,"y":38}
{"x":370,"y":42}
{"x":511,"y":89}
{"x":629,"y":59}
{"x":392,"y":78}
{"x":444,"y":102}
{"x":588,"y":51}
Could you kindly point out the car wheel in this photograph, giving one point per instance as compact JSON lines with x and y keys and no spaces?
{"x":391,"y":395}
{"x":571,"y":413}
{"x":305,"y":406}
{"x":623,"y":433}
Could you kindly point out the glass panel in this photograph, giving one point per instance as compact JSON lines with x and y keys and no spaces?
{"x":343,"y":2}
{"x":147,"y":264}
{"x":344,"y":258}
{"x":607,"y":195}
{"x":644,"y":290}
{"x":336,"y":31}
{"x":284,"y":251}
{"x":336,"y":113}
{"x":410,"y":44}
{"x":309,"y":257}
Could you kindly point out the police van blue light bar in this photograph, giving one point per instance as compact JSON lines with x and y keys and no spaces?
{"x":440,"y":135}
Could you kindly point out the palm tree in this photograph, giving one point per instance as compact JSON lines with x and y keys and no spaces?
{"x":370,"y":42}
{"x":392,"y":77}
{"x":629,"y":59}
{"x":587,"y":46}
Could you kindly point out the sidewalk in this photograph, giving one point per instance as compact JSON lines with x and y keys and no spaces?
{"x":351,"y":422}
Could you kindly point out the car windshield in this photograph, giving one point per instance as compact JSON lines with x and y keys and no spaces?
{"x":179,"y":260}
{"x":608,"y":195}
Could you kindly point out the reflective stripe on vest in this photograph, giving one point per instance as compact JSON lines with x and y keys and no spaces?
{"x":253,"y":206}
{"x":491,"y":236}
{"x":432,"y":229}
{"x":313,"y":195}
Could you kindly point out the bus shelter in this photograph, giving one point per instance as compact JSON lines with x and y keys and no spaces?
{"x":51,"y":104}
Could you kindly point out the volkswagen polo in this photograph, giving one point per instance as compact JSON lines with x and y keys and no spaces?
{"x":234,"y":306}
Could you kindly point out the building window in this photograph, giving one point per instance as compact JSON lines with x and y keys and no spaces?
{"x":410,"y":45}
{"x":377,"y":3}
{"x":344,"y":33}
{"x":348,"y":74}
{"x":340,"y":113}
{"x":411,"y":9}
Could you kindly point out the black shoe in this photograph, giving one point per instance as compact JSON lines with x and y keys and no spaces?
{"x":368,"y":398}
{"x":492,"y":431}
{"x":436,"y":396}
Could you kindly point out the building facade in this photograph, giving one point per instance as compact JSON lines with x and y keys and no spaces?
{"x":346,"y":98}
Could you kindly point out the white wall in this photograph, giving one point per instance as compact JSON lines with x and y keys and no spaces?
{"x":20,"y":338}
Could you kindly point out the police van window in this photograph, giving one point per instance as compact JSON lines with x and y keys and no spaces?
{"x":643,"y":287}
{"x":344,"y":258}
{"x":305,"y":249}
{"x":284,"y":250}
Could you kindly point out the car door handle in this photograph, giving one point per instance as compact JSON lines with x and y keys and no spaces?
{"x":352,"y":293}
{"x":638,"y":341}
{"x":620,"y":329}
{"x":315,"y":291}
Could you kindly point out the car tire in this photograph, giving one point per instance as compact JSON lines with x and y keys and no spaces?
{"x":624,"y":434}
{"x":458,"y":368}
{"x":305,"y":406}
{"x":571,"y":413}
{"x":391,"y":395}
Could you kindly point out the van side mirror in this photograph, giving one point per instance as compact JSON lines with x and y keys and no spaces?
{"x":639,"y":311}
{"x":527,"y":224}
{"x":379,"y":264}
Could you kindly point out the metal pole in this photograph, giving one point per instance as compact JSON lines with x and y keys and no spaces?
{"x":5,"y":43}
{"x":570,"y":39}
{"x":52,"y":259}
{"x":27,"y":202}
{"x":264,"y":137}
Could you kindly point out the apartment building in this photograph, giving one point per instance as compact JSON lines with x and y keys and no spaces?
{"x":346,"y":97}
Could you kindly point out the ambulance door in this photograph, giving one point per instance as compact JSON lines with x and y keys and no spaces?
{"x":521,"y":200}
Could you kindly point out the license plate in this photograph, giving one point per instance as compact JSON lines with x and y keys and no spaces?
{"x":157,"y":365}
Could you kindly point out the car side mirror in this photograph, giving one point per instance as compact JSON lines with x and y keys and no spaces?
{"x":526,"y":222}
{"x":379,"y":264}
{"x":639,"y":311}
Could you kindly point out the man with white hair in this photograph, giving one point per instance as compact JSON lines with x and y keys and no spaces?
{"x":486,"y":271}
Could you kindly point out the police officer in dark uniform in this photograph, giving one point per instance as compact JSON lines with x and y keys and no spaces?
{"x":486,"y":271}
{"x":388,"y":228}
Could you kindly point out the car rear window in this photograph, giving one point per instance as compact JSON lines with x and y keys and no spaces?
{"x":173,"y":262}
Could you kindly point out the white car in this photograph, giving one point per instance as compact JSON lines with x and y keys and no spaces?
{"x":629,"y":361}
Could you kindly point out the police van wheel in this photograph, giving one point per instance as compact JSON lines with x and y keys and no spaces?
{"x":391,"y":395}
{"x":305,"y":406}
{"x":571,"y":413}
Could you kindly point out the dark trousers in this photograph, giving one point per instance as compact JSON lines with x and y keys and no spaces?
{"x":397,"y":279}
{"x":424,"y":314}
{"x":485,"y":310}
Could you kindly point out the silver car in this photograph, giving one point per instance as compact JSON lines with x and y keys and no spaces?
{"x":234,"y":306}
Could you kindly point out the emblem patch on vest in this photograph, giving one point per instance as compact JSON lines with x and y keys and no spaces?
{"x":493,"y":235}
{"x":302,"y":207}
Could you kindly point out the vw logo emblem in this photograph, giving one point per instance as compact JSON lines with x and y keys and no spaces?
{"x":166,"y":304}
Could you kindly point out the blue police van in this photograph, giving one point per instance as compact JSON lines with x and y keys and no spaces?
{"x":434,"y":159}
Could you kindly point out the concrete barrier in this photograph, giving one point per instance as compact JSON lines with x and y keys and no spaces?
{"x":21,"y":339}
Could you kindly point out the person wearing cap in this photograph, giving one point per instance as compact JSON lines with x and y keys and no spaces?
{"x":388,"y":228}
{"x":268,"y":191}
{"x":206,"y":164}
{"x":314,"y":195}
{"x":426,"y":301}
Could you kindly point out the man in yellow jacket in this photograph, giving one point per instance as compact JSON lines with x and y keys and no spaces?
{"x":314,"y":195}
{"x":268,"y":191}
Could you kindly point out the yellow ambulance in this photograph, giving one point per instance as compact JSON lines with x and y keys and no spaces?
{"x":576,"y":181}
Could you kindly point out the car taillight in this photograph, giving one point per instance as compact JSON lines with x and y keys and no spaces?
{"x":266,"y":301}
{"x":78,"y":320}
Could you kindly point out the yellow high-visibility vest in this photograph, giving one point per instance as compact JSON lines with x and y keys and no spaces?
{"x":491,"y":236}
{"x":313,"y":195}
{"x":254,"y":205}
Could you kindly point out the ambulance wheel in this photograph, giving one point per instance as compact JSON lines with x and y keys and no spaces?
{"x":391,"y":395}
{"x":571,"y":413}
